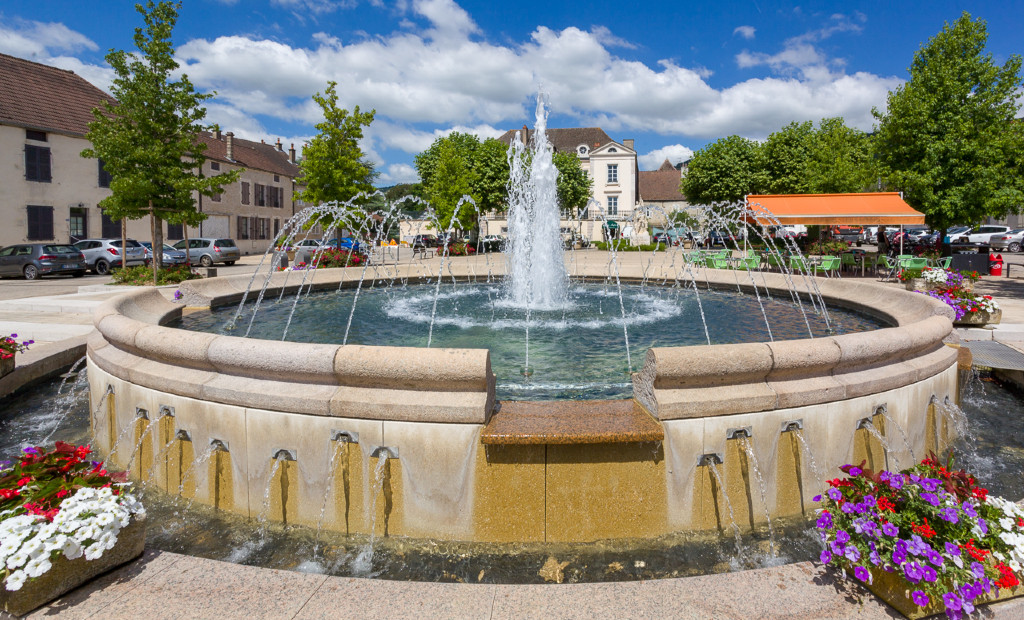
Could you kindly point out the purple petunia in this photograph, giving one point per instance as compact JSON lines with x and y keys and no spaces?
{"x":917,"y":546}
{"x":912,"y":571}
{"x":834,"y":494}
{"x":896,"y":482}
{"x":825,"y":557}
{"x":969,"y":509}
{"x":890,"y":530}
{"x":920,"y":598}
{"x":949,"y":515}
{"x":855,"y":471}
{"x":977,"y":569}
{"x":928,"y":573}
{"x":952,"y":601}
{"x":862,"y":573}
{"x":816,"y":498}
{"x":934,"y":557}
{"x":983,"y":526}
{"x":930,"y":484}
{"x":842,"y":536}
{"x":825,"y":521}
{"x":931,"y":498}
{"x":852,"y":553}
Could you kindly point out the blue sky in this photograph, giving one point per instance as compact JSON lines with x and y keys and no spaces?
{"x":672,"y":75}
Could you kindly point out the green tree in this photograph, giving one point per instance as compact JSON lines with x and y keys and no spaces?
{"x":333,"y":166}
{"x":574,"y":185}
{"x":948,"y":137}
{"x":453,"y":179}
{"x":490,"y":164}
{"x":839,"y":159}
{"x":426,"y":162}
{"x":149,"y":139}
{"x":784,"y":158}
{"x":725,"y":170}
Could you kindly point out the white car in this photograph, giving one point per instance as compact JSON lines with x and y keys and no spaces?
{"x":980,"y":234}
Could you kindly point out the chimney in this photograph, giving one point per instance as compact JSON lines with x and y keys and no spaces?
{"x":291,"y":153}
{"x":229,"y":138}
{"x":628,"y":144}
{"x":216,"y":133}
{"x":279,"y":147}
{"x":526,"y":135}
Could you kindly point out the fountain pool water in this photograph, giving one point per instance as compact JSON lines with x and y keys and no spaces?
{"x":577,"y":350}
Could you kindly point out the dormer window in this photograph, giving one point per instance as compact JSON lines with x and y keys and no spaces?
{"x":613,"y":150}
{"x":582,"y":150}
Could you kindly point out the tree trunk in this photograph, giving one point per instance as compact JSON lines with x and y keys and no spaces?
{"x":124,"y":243}
{"x":188,"y":258}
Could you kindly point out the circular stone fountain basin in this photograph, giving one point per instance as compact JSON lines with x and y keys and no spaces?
{"x":577,"y":351}
{"x":396,"y":440}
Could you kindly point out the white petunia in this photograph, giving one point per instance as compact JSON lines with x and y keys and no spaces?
{"x":15,"y":580}
{"x":72,"y":550}
{"x":94,"y":551}
{"x":17,"y":560}
{"x":37,"y":566}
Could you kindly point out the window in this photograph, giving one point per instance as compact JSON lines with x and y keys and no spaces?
{"x":582,"y":150}
{"x":104,"y":176}
{"x":217,"y":197}
{"x":613,"y":205}
{"x":40,"y":223}
{"x":78,"y":223}
{"x":262,"y":228}
{"x":275,"y":197}
{"x":613,"y":173}
{"x":38,"y":136}
{"x":214,"y":165}
{"x":175,"y":232}
{"x":260,"y":195}
{"x":108,"y":227}
{"x":245,"y":192}
{"x":277,"y":178}
{"x":37,"y":163}
{"x":243,"y":228}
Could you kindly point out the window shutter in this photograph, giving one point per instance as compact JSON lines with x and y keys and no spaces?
{"x":245,"y":192}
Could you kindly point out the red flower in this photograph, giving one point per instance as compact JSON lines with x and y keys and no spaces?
{"x":885,"y":504}
{"x":924,"y":530}
{"x":980,"y":493}
{"x":1008,"y":579}
{"x":62,"y":493}
{"x":8,"y":493}
{"x":977,"y":554}
{"x":24,"y":481}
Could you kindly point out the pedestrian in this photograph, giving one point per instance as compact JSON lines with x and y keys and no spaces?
{"x":883,"y":245}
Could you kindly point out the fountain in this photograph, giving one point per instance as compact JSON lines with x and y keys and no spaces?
{"x":483,"y":460}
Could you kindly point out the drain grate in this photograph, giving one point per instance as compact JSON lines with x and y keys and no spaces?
{"x":995,"y":355}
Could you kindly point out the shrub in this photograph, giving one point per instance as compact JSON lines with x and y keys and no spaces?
{"x":143,"y":276}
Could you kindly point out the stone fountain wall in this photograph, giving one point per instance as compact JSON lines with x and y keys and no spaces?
{"x":164,"y":396}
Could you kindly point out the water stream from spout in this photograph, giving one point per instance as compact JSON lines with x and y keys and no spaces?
{"x":819,"y":476}
{"x":748,"y":447}
{"x":337,"y":448}
{"x":884,"y":442}
{"x":728,"y":506}
{"x":363,"y":563}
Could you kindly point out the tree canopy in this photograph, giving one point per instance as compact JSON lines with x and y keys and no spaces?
{"x":948,"y":137}
{"x":574,"y":184}
{"x":149,"y":138}
{"x":334,"y":167}
{"x":725,"y":170}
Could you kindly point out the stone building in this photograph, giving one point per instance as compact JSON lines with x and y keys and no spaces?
{"x":660,"y":195}
{"x":52,"y":193}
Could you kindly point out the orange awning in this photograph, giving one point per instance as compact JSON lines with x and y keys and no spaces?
{"x":833,"y":209}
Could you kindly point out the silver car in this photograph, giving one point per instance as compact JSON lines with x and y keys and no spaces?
{"x":170,"y":257}
{"x":1010,"y":241}
{"x":207,"y":250}
{"x":102,"y":254}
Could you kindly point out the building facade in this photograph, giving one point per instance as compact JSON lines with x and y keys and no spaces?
{"x":52,"y":193}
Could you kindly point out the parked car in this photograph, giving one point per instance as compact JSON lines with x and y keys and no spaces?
{"x":102,"y":254}
{"x":312,"y":244}
{"x":718,"y":237}
{"x":207,"y":251}
{"x":34,"y":260}
{"x":1011,"y":241}
{"x":914,"y":233}
{"x":424,"y":241}
{"x":953,"y":233}
{"x":980,"y":234}
{"x":170,"y":256}
{"x":346,"y":243}
{"x":490,"y":243}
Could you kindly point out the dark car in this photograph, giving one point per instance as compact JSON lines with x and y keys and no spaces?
{"x":718,"y":237}
{"x":490,"y":243}
{"x":33,"y":260}
{"x":424,"y":241}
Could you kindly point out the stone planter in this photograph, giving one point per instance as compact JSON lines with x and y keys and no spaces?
{"x":981,"y":318}
{"x":66,"y":575}
{"x":916,"y":284}
{"x":895,"y":591}
{"x":291,"y":255}
{"x":7,"y":365}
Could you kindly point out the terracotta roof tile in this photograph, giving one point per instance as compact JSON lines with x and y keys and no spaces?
{"x":46,"y":98}
{"x":660,"y":185}
{"x":252,"y":155}
{"x":567,"y":139}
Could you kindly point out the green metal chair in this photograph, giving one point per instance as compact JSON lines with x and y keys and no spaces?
{"x":717,"y":262}
{"x":848,"y":259}
{"x":750,"y":263}
{"x":942,"y":263}
{"x":829,"y":265}
{"x":774,"y":261}
{"x":798,"y":264}
{"x":890,"y":266}
{"x":918,"y":262}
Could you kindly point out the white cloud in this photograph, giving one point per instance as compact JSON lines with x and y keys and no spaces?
{"x":747,"y":32}
{"x":674,"y":153}
{"x":398,"y":173}
{"x":40,"y":40}
{"x":316,"y":7}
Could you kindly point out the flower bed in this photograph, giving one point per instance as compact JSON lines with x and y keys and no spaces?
{"x":9,"y":347}
{"x":57,"y":507}
{"x":927,"y":539}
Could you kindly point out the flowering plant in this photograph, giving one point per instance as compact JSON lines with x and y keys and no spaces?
{"x":9,"y":346}
{"x":963,"y":301}
{"x":931,"y":524}
{"x":910,"y":274}
{"x":54,"y":503}
{"x":337,"y":257}
{"x":461,"y":249}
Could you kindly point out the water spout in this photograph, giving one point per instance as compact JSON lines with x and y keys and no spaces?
{"x":387,"y":452}
{"x":345,"y":436}
{"x":283,"y":454}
